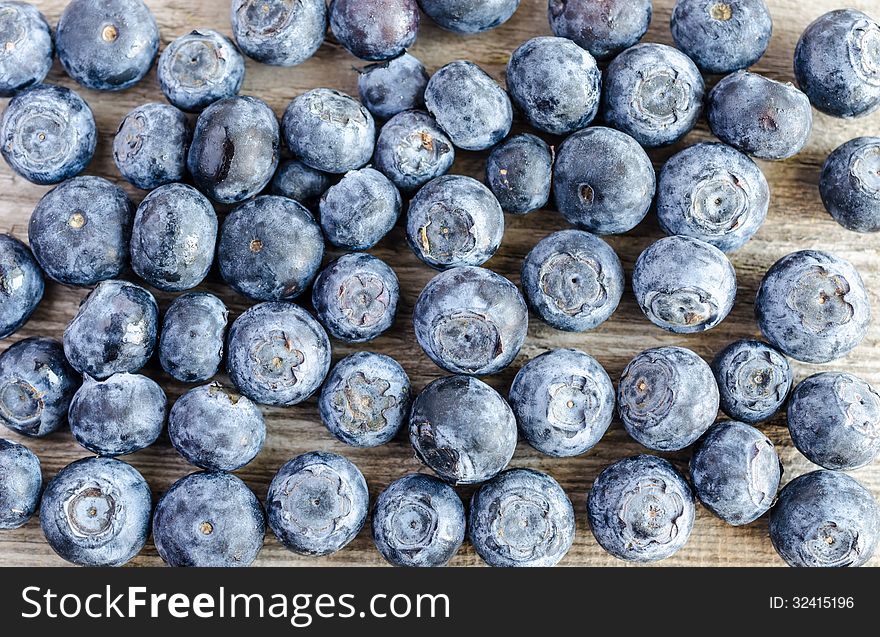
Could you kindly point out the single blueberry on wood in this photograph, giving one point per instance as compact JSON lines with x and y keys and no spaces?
{"x":27,"y":51}
{"x":603,"y":28}
{"x":519,"y":172}
{"x":412,"y":150}
{"x":850,"y":184}
{"x":360,"y":210}
{"x":754,"y":380}
{"x":21,"y":285}
{"x":21,"y":482}
{"x":279,"y":32}
{"x":151,"y":144}
{"x":192,"y":337}
{"x":394,"y":86}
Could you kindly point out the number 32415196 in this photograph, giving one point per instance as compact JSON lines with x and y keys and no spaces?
{"x":812,"y":602}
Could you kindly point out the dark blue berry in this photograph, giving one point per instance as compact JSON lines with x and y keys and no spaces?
{"x":722,"y":36}
{"x":391,"y":87}
{"x":813,"y":306}
{"x":113,"y":331}
{"x":279,"y":32}
{"x":80,"y":231}
{"x":603,"y":28}
{"x":36,"y":385}
{"x":412,"y":150}
{"x":107,"y":46}
{"x":270,"y":248}
{"x":360,"y":210}
{"x":850,"y":184}
{"x":471,"y":321}
{"x":117,"y":416}
{"x":209,"y":519}
{"x":199,"y":68}
{"x":375,"y":29}
{"x":329,"y":131}
{"x":21,"y":482}
{"x":521,"y":518}
{"x":296,"y":181}
{"x":216,"y":429}
{"x":317,"y":503}
{"x":365,"y":399}
{"x":462,"y":429}
{"x":641,"y":509}
{"x":454,"y":221}
{"x":555,"y":83}
{"x":96,"y":512}
{"x":603,"y":181}
{"x":667,"y":398}
{"x":277,"y":354}
{"x":234,"y":151}
{"x":519,"y":172}
{"x":48,"y":134}
{"x":469,"y":105}
{"x":469,"y":16}
{"x":418,"y":521}
{"x":573,"y":280}
{"x":192,"y":337}
{"x":21,"y":285}
{"x":753,"y":380}
{"x":151,"y":144}
{"x":356,"y":297}
{"x":28,"y":48}
{"x":563,"y":401}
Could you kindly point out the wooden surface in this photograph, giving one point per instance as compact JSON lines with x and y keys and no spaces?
{"x":797,"y":220}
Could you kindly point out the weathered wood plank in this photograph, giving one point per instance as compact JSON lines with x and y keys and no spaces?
{"x":796,"y":221}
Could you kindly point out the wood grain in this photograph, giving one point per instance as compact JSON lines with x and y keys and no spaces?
{"x":797,"y":220}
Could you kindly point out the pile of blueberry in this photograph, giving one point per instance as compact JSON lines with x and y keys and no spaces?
{"x":359,"y":165}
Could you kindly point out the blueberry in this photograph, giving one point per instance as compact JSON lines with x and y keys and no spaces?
{"x":667,"y":398}
{"x":21,"y":483}
{"x":329,"y":131}
{"x":555,"y":83}
{"x":471,"y":321}
{"x":519,"y":172}
{"x":80,"y":231}
{"x":653,"y":93}
{"x":573,"y":280}
{"x":48,"y":134}
{"x":736,"y":472}
{"x":462,"y":429}
{"x":356,"y":297}
{"x":296,"y":181}
{"x":521,"y":518}
{"x":834,"y":420}
{"x":234,"y":152}
{"x":759,"y":116}
{"x":825,"y":519}
{"x":270,"y":248}
{"x":192,"y":337}
{"x":113,"y":331}
{"x":418,"y":521}
{"x":317,"y":503}
{"x":365,"y":399}
{"x":151,"y":144}
{"x":96,"y":512}
{"x":641,"y":509}
{"x":107,"y":46}
{"x":412,"y":150}
{"x":36,"y":385}
{"x":21,"y":285}
{"x":117,"y":416}
{"x":278,"y":354}
{"x":173,"y":238}
{"x":813,"y":306}
{"x":454,"y":221}
{"x":469,"y":105}
{"x":209,"y":519}
{"x":603,"y":181}
{"x":279,"y":32}
{"x":375,"y":29}
{"x":199,"y":68}
{"x":469,"y":16}
{"x":28,"y":47}
{"x":835,"y":63}
{"x":394,"y":86}
{"x":216,"y":429}
{"x":713,"y":193}
{"x":753,"y":380}
{"x":850,"y":184}
{"x":360,"y":210}
{"x":684,"y":285}
{"x":603,"y":28}
{"x":563,"y":401}
{"x":722,"y":36}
